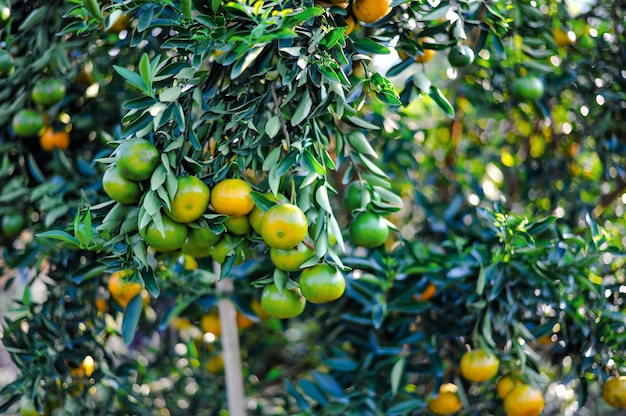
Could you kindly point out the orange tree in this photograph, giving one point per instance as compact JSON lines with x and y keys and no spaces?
{"x":277,"y":107}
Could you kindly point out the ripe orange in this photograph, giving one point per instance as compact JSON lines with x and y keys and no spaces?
{"x":256,"y":306}
{"x":368,"y":230}
{"x":215,"y":365}
{"x":284,"y":226}
{"x":288,"y":304}
{"x":232,"y":197}
{"x":614,"y":392}
{"x":190,"y":201}
{"x":50,"y":139}
{"x":210,"y":322}
{"x":243,"y":322}
{"x":116,"y":22}
{"x":122,"y":290}
{"x":370,"y":11}
{"x":322,"y":283}
{"x":48,"y":92}
{"x":428,"y":293}
{"x":352,"y":25}
{"x":506,"y":383}
{"x":524,"y":400}
{"x":120,"y":188}
{"x":427,"y":54}
{"x":238,"y":225}
{"x":173,"y":239}
{"x":562,"y":37}
{"x":28,"y":123}
{"x":290,"y":259}
{"x":7,"y":64}
{"x":479,"y":365}
{"x":137,"y":159}
{"x":12,"y":224}
{"x":447,"y":402}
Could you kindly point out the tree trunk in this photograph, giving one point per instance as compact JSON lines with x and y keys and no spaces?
{"x":230,"y":348}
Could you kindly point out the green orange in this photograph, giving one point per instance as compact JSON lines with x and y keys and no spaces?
{"x":48,"y":92}
{"x":460,"y":56}
{"x":28,"y":123}
{"x":286,"y":304}
{"x":368,"y":230}
{"x":284,"y":226}
{"x":137,"y":159}
{"x":7,"y":64}
{"x":196,"y":251}
{"x":173,"y":239}
{"x":190,"y":200}
{"x":12,"y":224}
{"x":120,"y":188}
{"x":529,"y":88}
{"x":230,"y":246}
{"x":238,"y":225}
{"x":322,"y":283}
{"x":352,"y":197}
{"x":291,"y":259}
{"x":203,"y":236}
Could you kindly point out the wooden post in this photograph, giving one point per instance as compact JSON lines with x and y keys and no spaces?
{"x":231,"y":351}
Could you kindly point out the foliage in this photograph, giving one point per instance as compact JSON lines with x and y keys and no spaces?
{"x":512,"y":209}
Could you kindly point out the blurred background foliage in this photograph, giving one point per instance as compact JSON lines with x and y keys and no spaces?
{"x":510,"y":238}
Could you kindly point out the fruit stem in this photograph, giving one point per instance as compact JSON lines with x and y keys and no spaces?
{"x":231,"y":350}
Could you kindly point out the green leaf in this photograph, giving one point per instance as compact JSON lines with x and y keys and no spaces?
{"x":131,"y":319}
{"x":421,"y":82}
{"x":396,"y":374}
{"x":313,"y":391}
{"x":367,"y":45}
{"x":321,"y":196}
{"x":441,"y":100}
{"x":359,"y":142}
{"x":342,"y":364}
{"x":58,"y":235}
{"x":313,"y":163}
{"x":280,"y":279}
{"x":272,"y":126}
{"x":132,"y":78}
{"x":170,"y":94}
{"x":33,"y":19}
{"x":359,"y":122}
{"x":303,"y":110}
{"x":145,"y":71}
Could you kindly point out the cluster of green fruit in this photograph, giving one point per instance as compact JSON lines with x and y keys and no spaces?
{"x":215,"y":222}
{"x":45,"y":94}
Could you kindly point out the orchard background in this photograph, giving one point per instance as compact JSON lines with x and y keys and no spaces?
{"x":487,"y":140}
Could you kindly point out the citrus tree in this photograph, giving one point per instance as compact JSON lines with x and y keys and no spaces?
{"x":395,"y":203}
